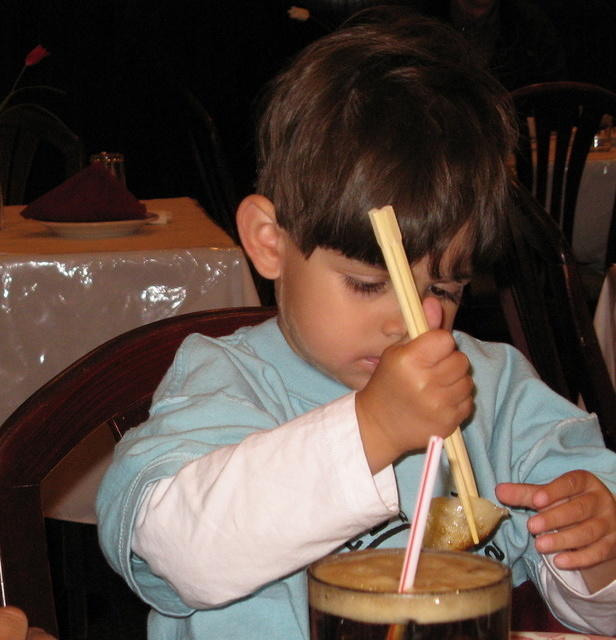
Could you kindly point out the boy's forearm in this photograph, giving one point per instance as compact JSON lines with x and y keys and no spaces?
{"x":221,"y":511}
{"x":600,"y":575}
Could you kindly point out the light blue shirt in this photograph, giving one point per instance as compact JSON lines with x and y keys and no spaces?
{"x":218,"y":391}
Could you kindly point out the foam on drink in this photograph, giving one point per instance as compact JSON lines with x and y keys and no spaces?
{"x":363,"y":586}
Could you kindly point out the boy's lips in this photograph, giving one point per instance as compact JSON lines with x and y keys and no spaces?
{"x":373,"y":361}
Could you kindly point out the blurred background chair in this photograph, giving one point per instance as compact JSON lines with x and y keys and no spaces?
{"x":558,"y":122}
{"x":210,"y":180}
{"x":540,"y":308}
{"x":29,"y":136}
{"x":111,"y":385}
{"x":543,"y":301}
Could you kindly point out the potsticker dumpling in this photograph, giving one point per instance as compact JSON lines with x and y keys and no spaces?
{"x":447,"y":528}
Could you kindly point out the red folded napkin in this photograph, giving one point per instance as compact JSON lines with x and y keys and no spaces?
{"x":92,"y":195}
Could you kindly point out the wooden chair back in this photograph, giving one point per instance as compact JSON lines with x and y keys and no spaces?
{"x":113,"y":385}
{"x":538,"y":304}
{"x":212,"y":182}
{"x":544,"y":306}
{"x":566,"y":115}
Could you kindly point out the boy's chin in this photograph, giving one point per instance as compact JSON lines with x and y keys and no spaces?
{"x":355,"y":382}
{"x":354,"y":379}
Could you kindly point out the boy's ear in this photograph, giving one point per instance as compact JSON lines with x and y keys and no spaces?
{"x":260,"y":234}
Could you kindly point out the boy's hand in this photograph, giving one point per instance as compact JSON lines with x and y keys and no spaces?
{"x":576,"y":517}
{"x":420,"y":388}
{"x":14,"y":626}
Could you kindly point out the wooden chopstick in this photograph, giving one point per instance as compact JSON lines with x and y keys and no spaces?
{"x":388,"y":236}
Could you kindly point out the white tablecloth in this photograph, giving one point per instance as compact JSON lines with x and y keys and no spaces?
{"x":594,"y":204}
{"x":594,"y":208}
{"x":62,"y":297}
{"x":61,"y":301}
{"x":605,"y":322}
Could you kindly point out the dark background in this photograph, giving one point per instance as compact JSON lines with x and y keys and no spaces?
{"x":125,"y":63}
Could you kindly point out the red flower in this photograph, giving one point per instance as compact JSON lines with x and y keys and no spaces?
{"x":36,"y":55}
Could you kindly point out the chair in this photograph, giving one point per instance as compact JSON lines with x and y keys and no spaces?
{"x":534,"y":300}
{"x":210,"y":180}
{"x":543,"y":302}
{"x":113,"y":385}
{"x":538,"y":305}
{"x":571,"y":113}
{"x":212,"y":183}
{"x":25,"y":131}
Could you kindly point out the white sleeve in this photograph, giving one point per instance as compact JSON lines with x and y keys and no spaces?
{"x":247,"y":514}
{"x":570,"y":600}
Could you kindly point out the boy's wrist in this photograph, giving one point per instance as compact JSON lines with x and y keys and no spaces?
{"x":379,"y":449}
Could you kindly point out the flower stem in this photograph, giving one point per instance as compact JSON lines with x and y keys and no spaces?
{"x":12,"y":91}
{"x":21,"y":73}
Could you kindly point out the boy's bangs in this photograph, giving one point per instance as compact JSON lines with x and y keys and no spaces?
{"x":437,"y":192}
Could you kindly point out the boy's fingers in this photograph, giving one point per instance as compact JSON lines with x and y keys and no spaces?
{"x":13,"y":623}
{"x":455,"y":369}
{"x":430,"y":348}
{"x":535,"y":496}
{"x":568,"y":485}
{"x":517,"y":494}
{"x":583,"y":557}
{"x":578,"y":536}
{"x":565,"y":513}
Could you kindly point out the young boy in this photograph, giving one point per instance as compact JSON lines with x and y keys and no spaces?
{"x":270,"y":448}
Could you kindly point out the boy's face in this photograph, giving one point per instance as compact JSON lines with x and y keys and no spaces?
{"x":340,"y":314}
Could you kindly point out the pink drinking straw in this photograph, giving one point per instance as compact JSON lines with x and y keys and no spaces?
{"x":422,"y":506}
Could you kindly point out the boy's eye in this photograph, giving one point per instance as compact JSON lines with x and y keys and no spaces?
{"x":444,"y":294}
{"x":364,"y":287}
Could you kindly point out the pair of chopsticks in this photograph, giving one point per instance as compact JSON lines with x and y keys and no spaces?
{"x":388,"y":236}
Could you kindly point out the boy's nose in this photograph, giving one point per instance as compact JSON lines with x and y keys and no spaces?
{"x":394,"y":326}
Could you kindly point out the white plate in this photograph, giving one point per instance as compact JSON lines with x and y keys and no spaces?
{"x":544,"y":635}
{"x":94,"y":230}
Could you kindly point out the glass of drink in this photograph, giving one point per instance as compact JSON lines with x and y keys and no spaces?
{"x":456,"y":595}
{"x":113,"y":162}
{"x":602,"y":140}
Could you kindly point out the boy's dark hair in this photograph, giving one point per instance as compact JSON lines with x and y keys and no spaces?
{"x":390,"y":109}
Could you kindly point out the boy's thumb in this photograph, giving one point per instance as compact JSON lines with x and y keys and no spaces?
{"x":434,"y":312}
